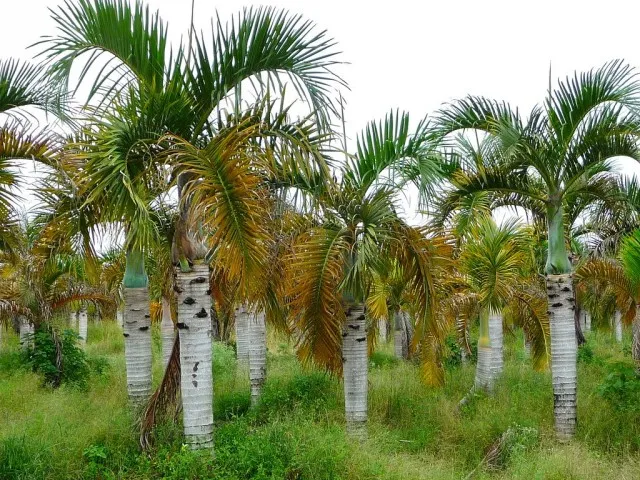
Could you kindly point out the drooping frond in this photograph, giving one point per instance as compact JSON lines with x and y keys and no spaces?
{"x":229,"y":200}
{"x":314,"y":273}
{"x":528,"y":309}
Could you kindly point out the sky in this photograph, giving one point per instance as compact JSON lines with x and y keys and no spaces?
{"x":417,"y":55}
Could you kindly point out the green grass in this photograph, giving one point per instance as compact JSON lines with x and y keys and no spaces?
{"x":297,"y":431}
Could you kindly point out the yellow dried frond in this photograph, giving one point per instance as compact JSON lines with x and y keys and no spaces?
{"x":315,"y":270}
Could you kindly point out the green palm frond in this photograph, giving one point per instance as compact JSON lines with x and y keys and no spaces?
{"x":574,"y":99}
{"x":388,"y":148}
{"x":23,"y":85}
{"x":131,"y":39}
{"x":269,"y":47}
{"x":492,"y":259}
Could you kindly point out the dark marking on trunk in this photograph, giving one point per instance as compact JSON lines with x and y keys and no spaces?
{"x":566,"y":289}
{"x":194,"y":375}
{"x":361,"y":317}
{"x":144,"y":329}
{"x":553,"y":295}
{"x":209,"y":291}
{"x":146,"y":315}
{"x":177,"y":289}
{"x":555,"y":305}
{"x":571,"y":299}
{"x":355,"y":327}
{"x":198,"y":280}
{"x":344,"y":334}
{"x":201,"y":314}
{"x":125,"y":334}
{"x":189,"y":301}
{"x":195,"y":367}
{"x":195,"y":383}
{"x":182,"y":326}
{"x":361,"y":339}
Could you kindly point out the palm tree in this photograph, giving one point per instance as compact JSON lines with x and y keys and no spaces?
{"x":184,"y":94}
{"x":330,"y":269}
{"x":493,"y":261}
{"x":560,"y":152}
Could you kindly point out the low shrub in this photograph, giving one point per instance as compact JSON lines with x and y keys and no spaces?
{"x":58,"y":357}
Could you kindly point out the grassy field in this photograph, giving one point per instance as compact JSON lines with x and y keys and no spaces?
{"x":415,"y":432}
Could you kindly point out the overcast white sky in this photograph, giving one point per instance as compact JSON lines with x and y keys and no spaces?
{"x":416,"y":55}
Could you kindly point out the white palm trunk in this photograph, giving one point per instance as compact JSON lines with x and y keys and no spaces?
{"x":483,"y":380}
{"x":26,"y":332}
{"x":194,"y":322}
{"x":382,"y":329}
{"x":120,"y":318}
{"x":83,"y":325}
{"x":617,"y":320}
{"x":167,"y":332}
{"x":587,"y":322}
{"x":496,"y":338}
{"x":137,"y":344}
{"x":564,"y":350}
{"x":242,"y":334}
{"x":257,"y":355}
{"x":73,"y":320}
{"x":400,"y":340}
{"x":527,"y":348}
{"x":355,"y":370}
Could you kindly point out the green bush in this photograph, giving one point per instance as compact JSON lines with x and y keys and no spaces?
{"x":58,"y":357}
{"x":586,"y":354}
{"x":621,"y":387}
{"x":381,"y":359}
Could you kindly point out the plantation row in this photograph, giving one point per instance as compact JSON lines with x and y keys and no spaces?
{"x":230,"y":217}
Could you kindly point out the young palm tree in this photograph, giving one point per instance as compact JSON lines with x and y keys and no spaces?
{"x":558,"y":154}
{"x":330,"y":269}
{"x":184,"y":95}
{"x":493,"y":260}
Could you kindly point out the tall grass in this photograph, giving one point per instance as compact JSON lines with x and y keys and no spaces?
{"x":296,"y":432}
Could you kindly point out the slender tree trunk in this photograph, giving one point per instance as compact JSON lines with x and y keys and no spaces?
{"x":196,"y":377}
{"x":484,"y":378}
{"x":355,"y":370}
{"x":587,"y":322}
{"x":26,"y":332}
{"x":382,"y":329}
{"x":617,"y":320}
{"x":527,"y":348}
{"x":563,"y":354}
{"x":73,"y":320}
{"x":137,"y":344}
{"x":120,"y":318}
{"x":242,"y":334}
{"x":635,"y":346}
{"x":167,"y":332}
{"x":496,"y":338}
{"x":400,"y":340}
{"x":83,"y":325}
{"x":257,"y":355}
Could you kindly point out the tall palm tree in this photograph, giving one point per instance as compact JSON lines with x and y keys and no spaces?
{"x":185,"y":94}
{"x":560,"y":152}
{"x":330,"y":269}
